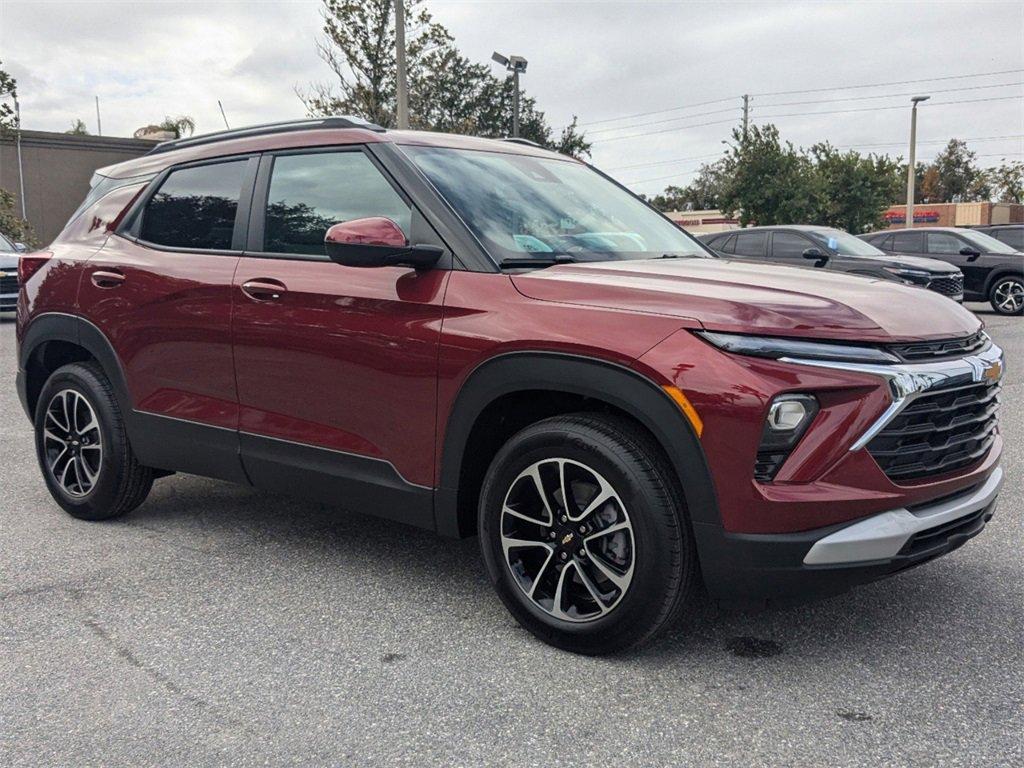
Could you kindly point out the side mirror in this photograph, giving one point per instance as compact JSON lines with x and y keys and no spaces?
{"x":21,"y":248}
{"x":972,"y":254}
{"x":815,"y":253}
{"x":376,"y":242}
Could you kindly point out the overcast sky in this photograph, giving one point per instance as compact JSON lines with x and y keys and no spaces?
{"x":598,"y":60}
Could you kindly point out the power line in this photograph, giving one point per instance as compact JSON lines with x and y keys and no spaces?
{"x":891,"y":95}
{"x":896,"y":106}
{"x":895,"y":82}
{"x":659,"y":111}
{"x":663,"y":130}
{"x":666,"y":120}
{"x":661,"y":162}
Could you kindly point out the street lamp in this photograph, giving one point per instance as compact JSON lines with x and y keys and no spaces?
{"x":17,"y":127}
{"x":517,"y":66}
{"x":911,"y":167}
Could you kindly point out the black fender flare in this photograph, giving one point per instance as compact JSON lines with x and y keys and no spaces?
{"x":57,"y":326}
{"x":614,"y":384}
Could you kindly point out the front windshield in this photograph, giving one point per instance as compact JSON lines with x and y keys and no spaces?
{"x":523,"y":208}
{"x":844,"y":243}
{"x":987,"y":243}
{"x":6,"y":246}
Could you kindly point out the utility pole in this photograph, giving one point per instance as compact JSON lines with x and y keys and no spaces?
{"x":912,"y":165}
{"x":224,"y":116}
{"x":402,"y":116}
{"x":21,"y":169}
{"x":99,"y":124}
{"x":746,"y":115}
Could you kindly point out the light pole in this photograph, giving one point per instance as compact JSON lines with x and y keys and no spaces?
{"x":912,"y":165}
{"x":17,"y":127}
{"x":402,"y":86}
{"x":517,"y":66}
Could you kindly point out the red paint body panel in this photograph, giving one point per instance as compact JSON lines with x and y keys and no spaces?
{"x":741,"y":297}
{"x":170,"y":323}
{"x":346,"y":359}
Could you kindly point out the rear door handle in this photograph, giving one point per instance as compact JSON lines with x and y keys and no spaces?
{"x":264,"y":289}
{"x":107,"y":278}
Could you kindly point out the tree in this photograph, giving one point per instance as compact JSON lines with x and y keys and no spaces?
{"x":183,"y":125}
{"x":447,"y":91}
{"x":768,"y":182}
{"x":854,"y":190}
{"x":78,"y":128}
{"x":11,"y":224}
{"x":701,"y":194}
{"x":1007,"y":181}
{"x":959,"y":180}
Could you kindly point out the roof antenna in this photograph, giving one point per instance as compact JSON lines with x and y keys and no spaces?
{"x":223,"y":115}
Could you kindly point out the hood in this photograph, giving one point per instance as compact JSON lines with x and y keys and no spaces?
{"x":9,"y":260}
{"x":740,"y":297}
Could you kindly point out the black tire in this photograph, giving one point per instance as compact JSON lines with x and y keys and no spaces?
{"x":664,"y":562}
{"x":1006,"y":295}
{"x":121,"y":483}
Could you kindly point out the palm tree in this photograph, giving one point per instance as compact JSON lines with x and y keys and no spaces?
{"x":178,"y":125}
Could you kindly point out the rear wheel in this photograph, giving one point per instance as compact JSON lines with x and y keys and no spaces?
{"x":1007,"y":295}
{"x":584,"y":534}
{"x":82,"y":446}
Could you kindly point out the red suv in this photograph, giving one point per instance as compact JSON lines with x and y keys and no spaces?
{"x":483,"y":337}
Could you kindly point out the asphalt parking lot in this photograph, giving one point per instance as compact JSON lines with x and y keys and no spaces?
{"x":220,"y":625}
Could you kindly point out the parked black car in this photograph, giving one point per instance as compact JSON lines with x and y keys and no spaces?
{"x":10,"y":252}
{"x":808,"y":246}
{"x":993,"y":270}
{"x":1011,"y":234}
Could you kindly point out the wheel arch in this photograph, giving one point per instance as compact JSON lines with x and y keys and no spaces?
{"x":54,"y":339}
{"x":1000,"y":272}
{"x":517,"y":378}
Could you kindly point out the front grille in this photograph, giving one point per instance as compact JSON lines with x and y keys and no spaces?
{"x":919,"y":351}
{"x":939,"y":432}
{"x":948,"y":286}
{"x":9,"y":284}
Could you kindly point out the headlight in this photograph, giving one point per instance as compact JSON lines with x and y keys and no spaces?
{"x":788,"y":418}
{"x":777,"y":347}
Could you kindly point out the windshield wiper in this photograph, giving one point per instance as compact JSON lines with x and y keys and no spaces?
{"x":519,"y":262}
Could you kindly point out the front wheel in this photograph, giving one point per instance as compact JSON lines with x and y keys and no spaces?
{"x":584,"y":534}
{"x":1007,"y":295}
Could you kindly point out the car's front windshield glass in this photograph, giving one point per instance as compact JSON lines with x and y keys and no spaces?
{"x":844,"y":243}
{"x":987,"y":243}
{"x":6,"y":246}
{"x":530,"y":208}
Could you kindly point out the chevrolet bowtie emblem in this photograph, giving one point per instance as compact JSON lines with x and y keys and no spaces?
{"x":566,"y":539}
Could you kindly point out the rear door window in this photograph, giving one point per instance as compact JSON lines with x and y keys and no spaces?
{"x":1012,"y":237}
{"x":311,"y":192}
{"x":942,"y":243}
{"x":195,"y":207}
{"x":751,"y":243}
{"x":909,"y":242}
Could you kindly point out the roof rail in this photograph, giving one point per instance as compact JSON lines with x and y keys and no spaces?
{"x":339,"y":121}
{"x":517,"y":140}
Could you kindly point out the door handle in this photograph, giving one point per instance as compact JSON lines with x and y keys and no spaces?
{"x":264,"y":289}
{"x":107,"y":278}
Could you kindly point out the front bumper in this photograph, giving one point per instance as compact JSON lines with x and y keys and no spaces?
{"x":752,"y":570}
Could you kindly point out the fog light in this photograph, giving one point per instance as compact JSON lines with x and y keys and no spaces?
{"x":786,"y":415}
{"x":787,"y":420}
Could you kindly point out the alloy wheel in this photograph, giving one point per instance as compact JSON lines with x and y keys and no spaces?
{"x":1008,"y":296}
{"x":567,"y":539}
{"x":72,"y":443}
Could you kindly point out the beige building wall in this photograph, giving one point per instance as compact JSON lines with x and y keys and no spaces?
{"x":57,"y":168}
